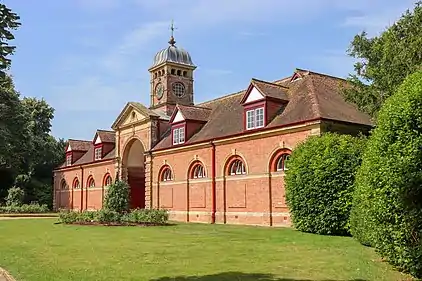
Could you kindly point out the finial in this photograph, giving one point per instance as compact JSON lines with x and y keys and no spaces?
{"x":172,"y":28}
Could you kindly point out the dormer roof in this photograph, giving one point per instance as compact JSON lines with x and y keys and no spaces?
{"x":190,"y":112}
{"x":267,"y":90}
{"x":78,"y":145}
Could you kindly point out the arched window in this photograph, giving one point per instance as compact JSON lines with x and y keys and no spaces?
{"x":91,"y":182}
{"x":166,"y":174}
{"x":237,"y":167}
{"x":198,"y":171}
{"x":107,"y":180}
{"x":282,"y":162}
{"x":185,"y":73}
{"x":76,"y":184}
{"x":179,"y":72}
{"x":173,"y":71}
{"x":63,"y":184}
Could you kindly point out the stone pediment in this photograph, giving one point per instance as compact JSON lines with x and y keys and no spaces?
{"x":133,"y":113}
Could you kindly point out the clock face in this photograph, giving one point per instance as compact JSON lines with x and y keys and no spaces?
{"x":159,"y":91}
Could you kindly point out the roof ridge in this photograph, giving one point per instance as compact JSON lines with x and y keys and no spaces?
{"x":199,"y":107}
{"x":321,"y":74}
{"x":313,"y":96}
{"x":107,"y":131}
{"x":79,"y":140}
{"x":270,"y":83}
{"x":223,"y":97}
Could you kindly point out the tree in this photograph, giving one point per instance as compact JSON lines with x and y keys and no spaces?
{"x":117,"y":197}
{"x":387,"y":203}
{"x":319,"y":182}
{"x":8,"y":21}
{"x":385,"y":61}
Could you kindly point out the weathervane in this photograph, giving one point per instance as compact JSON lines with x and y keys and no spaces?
{"x":172,"y":28}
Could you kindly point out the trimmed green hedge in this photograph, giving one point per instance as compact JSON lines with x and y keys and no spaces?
{"x":387,"y":205}
{"x":117,"y":197}
{"x":105,"y":216}
{"x":319,"y":183}
{"x":24,"y":209}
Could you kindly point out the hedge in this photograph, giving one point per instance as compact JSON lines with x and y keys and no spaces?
{"x":319,"y":183}
{"x":106,"y":216}
{"x":24,"y":209}
{"x":387,"y":204}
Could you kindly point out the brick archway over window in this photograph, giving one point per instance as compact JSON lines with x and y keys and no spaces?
{"x":235,"y":166}
{"x":76,"y":184}
{"x":166,"y":174}
{"x":107,"y":180}
{"x":63,"y":184}
{"x":279,"y":160}
{"x":197,"y":170}
{"x":90,"y":183}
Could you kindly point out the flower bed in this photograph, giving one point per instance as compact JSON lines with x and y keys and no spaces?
{"x":137,"y":217}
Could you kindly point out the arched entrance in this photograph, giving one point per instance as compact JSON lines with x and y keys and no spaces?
{"x":133,"y":168}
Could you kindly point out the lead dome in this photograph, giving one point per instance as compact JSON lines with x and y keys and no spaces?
{"x":172,"y":54}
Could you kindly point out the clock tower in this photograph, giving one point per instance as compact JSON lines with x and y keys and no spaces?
{"x":171,"y":78}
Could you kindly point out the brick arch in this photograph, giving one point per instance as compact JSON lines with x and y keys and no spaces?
{"x":107,"y":176}
{"x":63,"y":184}
{"x":89,"y":180}
{"x":163,"y":169}
{"x":272,"y":164}
{"x":192,"y":167}
{"x":231,"y":160}
{"x":75,"y":183}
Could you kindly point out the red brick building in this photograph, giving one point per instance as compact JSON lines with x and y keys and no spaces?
{"x":221,"y":161}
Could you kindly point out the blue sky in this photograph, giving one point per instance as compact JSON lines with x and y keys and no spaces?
{"x":87,"y":58}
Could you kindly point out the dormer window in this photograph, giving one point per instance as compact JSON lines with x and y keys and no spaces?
{"x":179,"y":135}
{"x":69,"y":159}
{"x":255,"y":118}
{"x":98,"y":153}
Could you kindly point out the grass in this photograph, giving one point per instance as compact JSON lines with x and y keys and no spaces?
{"x":39,"y":250}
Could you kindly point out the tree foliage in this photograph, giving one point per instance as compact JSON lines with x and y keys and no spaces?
{"x":319,"y":183}
{"x":387,"y":204}
{"x":117,"y":197}
{"x":385,"y":61}
{"x":8,"y":21}
{"x":14,"y":197}
{"x":28,"y":153}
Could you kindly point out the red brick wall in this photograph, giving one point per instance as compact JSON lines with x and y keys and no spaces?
{"x":84,"y":198}
{"x":240,"y":199}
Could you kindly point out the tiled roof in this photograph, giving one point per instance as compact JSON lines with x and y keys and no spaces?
{"x":79,"y":145}
{"x":272,"y":90}
{"x":107,"y":136}
{"x":89,"y":156}
{"x":314,"y":96}
{"x":197,"y":113}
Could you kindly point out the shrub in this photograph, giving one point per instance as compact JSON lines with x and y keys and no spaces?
{"x":387,"y":211}
{"x":108,"y":216}
{"x":319,"y":183}
{"x":24,"y":209}
{"x":146,"y":216}
{"x":14,"y":196}
{"x":117,"y":198}
{"x":68,"y":216}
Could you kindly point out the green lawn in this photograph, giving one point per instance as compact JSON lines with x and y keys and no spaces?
{"x":39,"y":250}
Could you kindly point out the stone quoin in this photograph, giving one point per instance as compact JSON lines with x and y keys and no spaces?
{"x":220,"y":161}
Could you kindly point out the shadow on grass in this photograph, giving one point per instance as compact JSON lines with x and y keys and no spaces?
{"x":239,"y":276}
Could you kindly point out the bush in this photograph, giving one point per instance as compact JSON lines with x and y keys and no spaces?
{"x":146,"y":216}
{"x":319,"y":183}
{"x":387,"y":211}
{"x":117,"y":197}
{"x":105,"y":216}
{"x":14,"y":196}
{"x":24,"y":209}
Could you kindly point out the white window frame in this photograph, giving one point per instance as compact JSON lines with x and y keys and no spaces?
{"x":255,"y":118}
{"x":167,"y":175}
{"x":179,"y":135}
{"x":281,"y":163}
{"x":108,"y":181}
{"x":237,"y":168}
{"x":76,"y":184}
{"x":98,"y":153}
{"x":198,"y":172}
{"x":69,"y":160}
{"x":91,"y":183}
